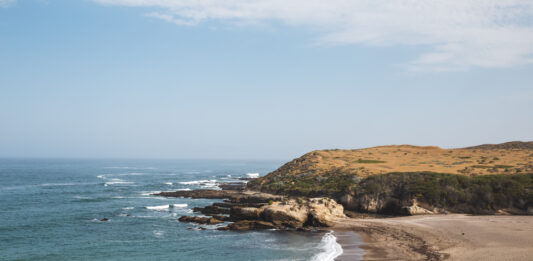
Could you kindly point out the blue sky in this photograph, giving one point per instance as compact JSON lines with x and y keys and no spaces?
{"x":260,"y":79}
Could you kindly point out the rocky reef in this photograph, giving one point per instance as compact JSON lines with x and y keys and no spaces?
{"x":254,"y":210}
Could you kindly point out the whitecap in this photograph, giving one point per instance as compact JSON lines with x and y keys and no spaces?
{"x":117,"y":181}
{"x":149,"y":193}
{"x":101,"y":176}
{"x":252,"y":175}
{"x":168,"y":183}
{"x":128,"y":208}
{"x":330,"y":248}
{"x":212,"y":183}
{"x":81,"y":197}
{"x":160,"y":208}
{"x":132,"y":174}
{"x":197,"y":182}
{"x":166,"y":207}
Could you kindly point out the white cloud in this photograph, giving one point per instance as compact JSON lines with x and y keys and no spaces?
{"x":6,"y":3}
{"x":456,"y":34}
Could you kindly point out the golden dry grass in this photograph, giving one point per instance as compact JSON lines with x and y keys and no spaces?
{"x":408,"y":158}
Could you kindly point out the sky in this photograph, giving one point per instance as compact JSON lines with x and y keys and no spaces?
{"x":271,"y":79}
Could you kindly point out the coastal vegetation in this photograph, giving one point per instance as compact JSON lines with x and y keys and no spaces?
{"x":457,"y":193}
{"x":391,"y":179}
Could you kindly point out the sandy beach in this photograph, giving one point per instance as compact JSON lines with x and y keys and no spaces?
{"x":440,"y":237}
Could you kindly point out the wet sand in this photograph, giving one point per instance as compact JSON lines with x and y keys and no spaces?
{"x":351,"y":245}
{"x":441,"y":237}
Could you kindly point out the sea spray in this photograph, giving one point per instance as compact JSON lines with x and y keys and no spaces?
{"x":330,"y":248}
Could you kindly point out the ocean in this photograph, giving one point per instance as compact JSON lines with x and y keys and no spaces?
{"x":51,"y":209}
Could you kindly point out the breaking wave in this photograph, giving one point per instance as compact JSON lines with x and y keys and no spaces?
{"x":330,"y":248}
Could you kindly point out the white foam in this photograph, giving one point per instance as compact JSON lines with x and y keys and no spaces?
{"x":184,"y":189}
{"x":211,"y":183}
{"x":132,"y":174}
{"x":116,"y":181}
{"x":330,"y":248}
{"x":149,"y":193}
{"x":198,"y":182}
{"x":100,"y":176}
{"x":252,"y":175}
{"x":168,"y":183}
{"x":128,"y":208}
{"x":166,"y":207}
{"x":81,"y":197}
{"x":158,"y":233}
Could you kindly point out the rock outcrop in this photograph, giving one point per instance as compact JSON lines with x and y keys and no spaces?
{"x":245,"y":213}
{"x":415,"y":209}
{"x":249,"y":225}
{"x":323,"y":212}
{"x":253,"y":210}
{"x":287,"y":214}
{"x":234,"y":196}
{"x":200,"y":220}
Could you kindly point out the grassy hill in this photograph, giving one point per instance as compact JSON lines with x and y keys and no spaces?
{"x":450,"y":178}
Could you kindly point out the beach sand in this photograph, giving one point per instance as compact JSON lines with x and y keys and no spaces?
{"x":440,"y":237}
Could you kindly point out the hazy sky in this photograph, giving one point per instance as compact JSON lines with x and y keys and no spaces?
{"x":260,"y":79}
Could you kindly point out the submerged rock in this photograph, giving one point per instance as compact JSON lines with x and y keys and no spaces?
{"x":212,"y":210}
{"x":234,"y":196}
{"x":249,"y":225}
{"x":200,"y":220}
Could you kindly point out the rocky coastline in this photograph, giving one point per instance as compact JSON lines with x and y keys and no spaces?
{"x":250,"y":210}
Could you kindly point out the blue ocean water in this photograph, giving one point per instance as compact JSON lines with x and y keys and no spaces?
{"x":51,"y":210}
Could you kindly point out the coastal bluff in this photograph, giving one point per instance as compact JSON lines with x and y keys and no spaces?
{"x":408,"y":180}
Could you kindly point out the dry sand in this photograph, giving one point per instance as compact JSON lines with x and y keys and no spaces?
{"x":442,"y":237}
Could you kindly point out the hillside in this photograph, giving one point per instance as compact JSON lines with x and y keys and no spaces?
{"x":396,"y":172}
{"x":507,"y":145}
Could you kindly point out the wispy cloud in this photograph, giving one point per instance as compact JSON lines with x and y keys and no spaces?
{"x":6,"y":3}
{"x":457,"y":35}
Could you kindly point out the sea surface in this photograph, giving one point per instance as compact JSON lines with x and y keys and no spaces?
{"x":51,"y":209}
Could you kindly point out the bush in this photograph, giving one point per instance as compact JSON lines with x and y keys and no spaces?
{"x":480,"y":194}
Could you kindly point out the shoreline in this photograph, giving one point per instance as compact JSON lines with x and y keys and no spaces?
{"x":351,"y":244}
{"x":440,"y":237}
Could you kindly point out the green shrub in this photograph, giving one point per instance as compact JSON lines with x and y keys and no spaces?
{"x":480,"y":194}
